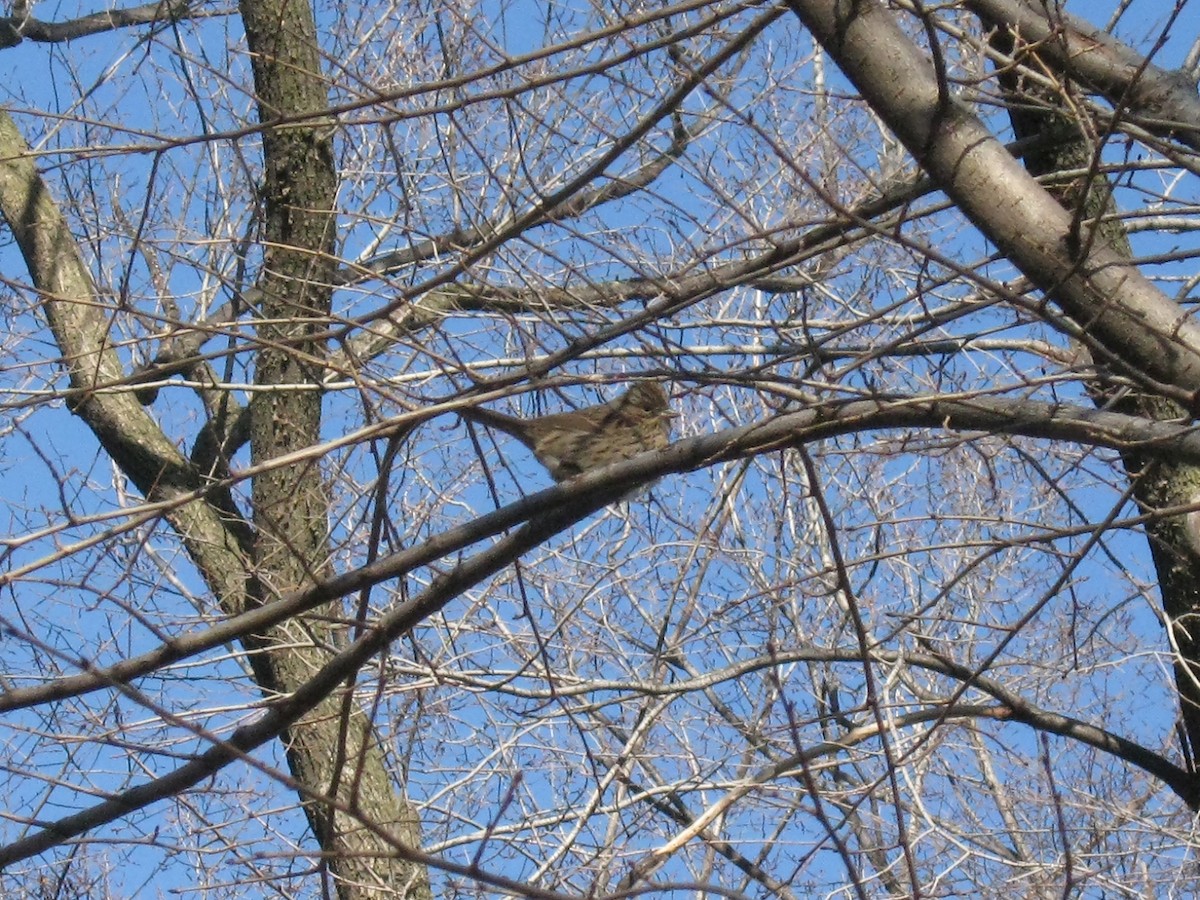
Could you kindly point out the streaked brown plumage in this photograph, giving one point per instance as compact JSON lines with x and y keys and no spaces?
{"x":573,"y":442}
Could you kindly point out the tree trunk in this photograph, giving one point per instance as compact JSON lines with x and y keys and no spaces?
{"x":1065,"y":144}
{"x":334,"y":752}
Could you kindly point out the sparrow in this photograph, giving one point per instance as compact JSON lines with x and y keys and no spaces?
{"x":592,"y":437}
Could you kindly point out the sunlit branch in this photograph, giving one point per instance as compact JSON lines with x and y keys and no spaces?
{"x":14,"y":29}
{"x":989,"y":415}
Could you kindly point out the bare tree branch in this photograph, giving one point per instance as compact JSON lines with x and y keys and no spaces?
{"x":15,"y":29}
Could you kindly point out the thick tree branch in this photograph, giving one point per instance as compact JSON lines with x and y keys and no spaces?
{"x":217,"y":539}
{"x":1161,"y":101}
{"x":987,"y":415}
{"x":1107,"y":296}
{"x":15,"y":29}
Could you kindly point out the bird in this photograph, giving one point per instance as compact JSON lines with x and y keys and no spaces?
{"x":570,"y":443}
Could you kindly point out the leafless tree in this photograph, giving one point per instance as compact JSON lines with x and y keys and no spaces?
{"x":908,"y":607}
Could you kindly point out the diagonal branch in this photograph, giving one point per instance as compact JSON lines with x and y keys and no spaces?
{"x":1161,"y":101}
{"x":1058,"y":422}
{"x":285,"y":713}
{"x":216,"y":537}
{"x":1100,"y":290}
